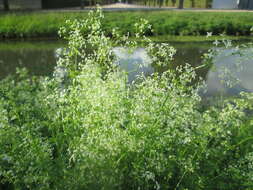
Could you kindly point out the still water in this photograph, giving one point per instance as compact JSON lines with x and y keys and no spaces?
{"x":39,"y":57}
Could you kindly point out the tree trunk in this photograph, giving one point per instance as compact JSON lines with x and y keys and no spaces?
{"x":6,"y":5}
{"x":193,"y":3}
{"x":207,"y":3}
{"x":173,"y":3}
{"x":160,"y":3}
{"x":181,"y":4}
{"x":82,"y":4}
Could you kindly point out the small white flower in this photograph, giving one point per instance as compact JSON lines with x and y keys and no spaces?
{"x":216,"y":42}
{"x":209,"y":34}
{"x":237,"y":48}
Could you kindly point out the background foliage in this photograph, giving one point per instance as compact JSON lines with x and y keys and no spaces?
{"x":24,"y":25}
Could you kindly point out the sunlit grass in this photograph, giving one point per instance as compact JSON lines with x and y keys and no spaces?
{"x":44,"y":24}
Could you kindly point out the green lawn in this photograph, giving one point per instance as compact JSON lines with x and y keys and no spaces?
{"x":46,"y":24}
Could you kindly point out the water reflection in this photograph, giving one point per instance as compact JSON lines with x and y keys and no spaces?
{"x":232,"y":72}
{"x":40,"y":59}
{"x":135,"y":63}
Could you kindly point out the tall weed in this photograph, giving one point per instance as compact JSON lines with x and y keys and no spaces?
{"x":88,"y":128}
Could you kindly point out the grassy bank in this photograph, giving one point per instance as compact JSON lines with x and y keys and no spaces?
{"x":170,"y":38}
{"x":43,"y":24}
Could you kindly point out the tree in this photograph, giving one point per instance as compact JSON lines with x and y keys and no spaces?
{"x":160,"y":3}
{"x":82,"y":4}
{"x":6,"y":5}
{"x":181,"y":4}
{"x":192,"y":3}
{"x":208,"y":3}
{"x":173,"y":3}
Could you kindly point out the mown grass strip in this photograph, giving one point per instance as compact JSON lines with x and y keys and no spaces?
{"x":177,"y":23}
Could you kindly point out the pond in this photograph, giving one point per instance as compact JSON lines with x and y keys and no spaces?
{"x":39,"y":57}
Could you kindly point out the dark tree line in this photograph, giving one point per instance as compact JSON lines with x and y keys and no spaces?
{"x":174,"y":3}
{"x":181,"y":4}
{"x":193,"y":3}
{"x":159,"y":3}
{"x":6,"y":5}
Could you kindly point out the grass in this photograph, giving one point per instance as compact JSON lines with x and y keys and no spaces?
{"x":169,"y":38}
{"x":175,"y":23}
{"x":49,"y":43}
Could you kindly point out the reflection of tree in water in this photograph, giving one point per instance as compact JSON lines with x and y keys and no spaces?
{"x":36,"y":61}
{"x":233,"y":71}
{"x":42,"y":61}
{"x":190,"y":55}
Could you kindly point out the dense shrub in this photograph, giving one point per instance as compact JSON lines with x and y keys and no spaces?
{"x":88,"y":128}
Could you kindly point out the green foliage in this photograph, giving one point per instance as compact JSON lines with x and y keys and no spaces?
{"x":23,"y":25}
{"x":88,"y":128}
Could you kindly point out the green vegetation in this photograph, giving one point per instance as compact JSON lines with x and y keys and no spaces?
{"x":88,"y":128}
{"x":46,"y":24}
{"x":168,"y":38}
{"x":175,"y":3}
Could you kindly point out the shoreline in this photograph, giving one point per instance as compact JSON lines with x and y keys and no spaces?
{"x":161,"y":38}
